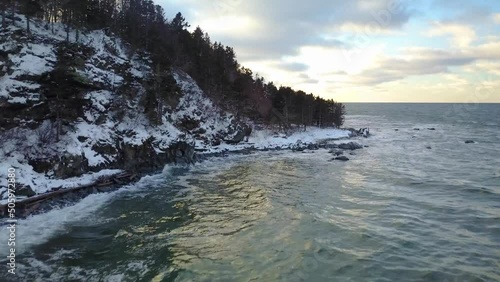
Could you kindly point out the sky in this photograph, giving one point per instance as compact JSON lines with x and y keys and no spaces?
{"x":361,"y":50}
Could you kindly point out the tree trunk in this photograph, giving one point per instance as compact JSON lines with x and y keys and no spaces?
{"x":28,"y":23}
{"x":12,"y":10}
{"x":4,"y":24}
{"x":54,"y":18}
{"x":58,"y":122}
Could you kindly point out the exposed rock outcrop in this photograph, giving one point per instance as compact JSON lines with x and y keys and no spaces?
{"x":350,"y":146}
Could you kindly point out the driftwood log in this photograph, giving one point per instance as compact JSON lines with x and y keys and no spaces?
{"x":30,"y":205}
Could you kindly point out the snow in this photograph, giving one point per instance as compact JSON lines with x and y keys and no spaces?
{"x":262,"y":139}
{"x":196,"y":105}
{"x":100,"y":99}
{"x":33,"y":59}
{"x":110,"y":59}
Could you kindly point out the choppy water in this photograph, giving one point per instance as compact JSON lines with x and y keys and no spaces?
{"x":396,"y":211}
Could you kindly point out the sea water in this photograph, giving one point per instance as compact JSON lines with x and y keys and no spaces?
{"x":418,"y":204}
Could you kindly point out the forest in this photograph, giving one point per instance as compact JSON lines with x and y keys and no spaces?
{"x":170,"y":44}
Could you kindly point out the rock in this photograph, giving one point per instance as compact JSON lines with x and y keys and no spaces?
{"x":313,"y":147}
{"x":71,"y":166}
{"x":82,"y":138}
{"x":366,"y":146}
{"x":25,"y":191}
{"x":352,"y":154}
{"x":416,"y":129}
{"x":352,"y":132}
{"x":365,"y":132}
{"x":396,"y":129}
{"x":431,"y":128}
{"x":428,"y":147}
{"x":199,"y":131}
{"x":330,"y":146}
{"x":216,"y":142}
{"x":42,"y":165}
{"x":236,"y":138}
{"x":298,"y":146}
{"x":342,"y":158}
{"x":237,"y":133}
{"x":470,"y":142}
{"x":350,"y":146}
{"x":336,"y":152}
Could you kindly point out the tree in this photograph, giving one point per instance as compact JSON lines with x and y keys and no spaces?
{"x":30,"y":8}
{"x":3,"y":7}
{"x":179,"y":22}
{"x":143,"y":25}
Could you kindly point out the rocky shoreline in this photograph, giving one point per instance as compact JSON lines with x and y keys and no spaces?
{"x":178,"y":153}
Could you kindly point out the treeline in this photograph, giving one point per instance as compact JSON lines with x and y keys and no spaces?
{"x":144,"y":26}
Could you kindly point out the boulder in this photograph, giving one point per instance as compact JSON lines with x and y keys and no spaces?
{"x":470,"y":141}
{"x":428,"y":147}
{"x":216,"y":142}
{"x":342,"y":158}
{"x":336,"y":152}
{"x":352,"y":132}
{"x":237,"y":132}
{"x":330,"y":146}
{"x":365,"y":132}
{"x":431,"y":128}
{"x":71,"y":166}
{"x":313,"y":147}
{"x":350,"y":146}
{"x":25,"y":191}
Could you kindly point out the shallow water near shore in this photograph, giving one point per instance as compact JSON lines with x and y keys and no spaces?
{"x":397,"y":211}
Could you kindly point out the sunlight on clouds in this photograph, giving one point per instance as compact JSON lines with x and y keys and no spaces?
{"x":492,"y":68}
{"x":462,"y":36}
{"x":496,"y":18}
{"x":230,"y":25}
{"x":362,"y":50}
{"x":323,"y":60}
{"x":372,"y":29}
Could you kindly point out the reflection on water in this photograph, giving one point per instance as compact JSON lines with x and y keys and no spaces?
{"x":223,"y":204}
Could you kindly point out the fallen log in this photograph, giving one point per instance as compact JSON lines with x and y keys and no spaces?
{"x":29,"y":205}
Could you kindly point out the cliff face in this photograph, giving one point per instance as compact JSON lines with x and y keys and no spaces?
{"x":72,"y":108}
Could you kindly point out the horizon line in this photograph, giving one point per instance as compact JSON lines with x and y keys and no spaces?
{"x":409,"y":102}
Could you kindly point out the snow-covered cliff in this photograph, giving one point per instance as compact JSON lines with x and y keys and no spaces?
{"x":71,"y":112}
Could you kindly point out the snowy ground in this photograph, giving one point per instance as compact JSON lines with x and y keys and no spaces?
{"x":259,"y":139}
{"x":262,"y":139}
{"x":37,"y":55}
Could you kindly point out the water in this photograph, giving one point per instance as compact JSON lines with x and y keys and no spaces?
{"x":396,"y":211}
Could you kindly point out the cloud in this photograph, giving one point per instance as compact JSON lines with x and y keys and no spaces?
{"x":305,"y":79}
{"x":462,"y":35}
{"x":269,"y":29}
{"x":359,"y":47}
{"x":464,"y":11}
{"x":418,"y":61}
{"x":496,"y":18}
{"x":294,"y":67}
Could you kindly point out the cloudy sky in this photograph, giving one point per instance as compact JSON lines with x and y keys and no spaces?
{"x":362,"y":50}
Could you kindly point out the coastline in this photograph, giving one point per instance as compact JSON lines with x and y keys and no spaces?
{"x":113,"y":179}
